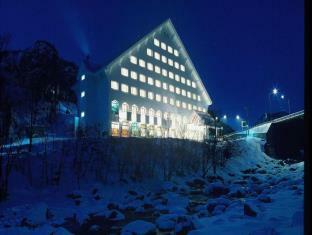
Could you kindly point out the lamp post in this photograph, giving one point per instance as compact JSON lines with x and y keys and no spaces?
{"x":274,"y":92}
{"x":288,"y":102}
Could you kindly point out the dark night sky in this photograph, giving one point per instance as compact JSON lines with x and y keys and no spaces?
{"x":241,"y":49}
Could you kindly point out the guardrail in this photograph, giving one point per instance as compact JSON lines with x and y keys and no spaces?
{"x":239,"y":134}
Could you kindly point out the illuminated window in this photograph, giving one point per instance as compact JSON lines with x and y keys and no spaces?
{"x":125,"y":107}
{"x":157,"y":55}
{"x":182,"y":80}
{"x":194,"y":107}
{"x":142,"y":63}
{"x":198,"y":97}
{"x":150,"y":66}
{"x":178,"y":91}
{"x":156,"y":42}
{"x":177,"y":77}
{"x":134,"y":111}
{"x":124,"y":72}
{"x":204,"y":110}
{"x":142,"y":78}
{"x":134,"y":90}
{"x":158,"y":97}
{"x":142,"y":93}
{"x":165,"y":86}
{"x":171,"y":101}
{"x":183,"y":92}
{"x":170,"y":75}
{"x":150,"y":81}
{"x":133,"y":59}
{"x":83,"y":77}
{"x":151,"y":116}
{"x":193,"y":84}
{"x":176,"y":65}
{"x":157,"y":69}
{"x":194,"y":97}
{"x":164,"y":72}
{"x":150,"y":95}
{"x":171,"y":88}
{"x":114,"y":85}
{"x":170,"y":62}
{"x":149,"y":52}
{"x":82,"y":94}
{"x":165,"y":99}
{"x":182,"y":67}
{"x":200,"y":109}
{"x":143,"y":114}
{"x":157,"y":83}
{"x":188,"y":82}
{"x":133,"y":75}
{"x":82,"y":114}
{"x":170,"y":50}
{"x":178,"y":103}
{"x":189,"y":94}
{"x":176,"y":53}
{"x":184,"y":105}
{"x":164,"y":59}
{"x":189,"y":106}
{"x":158,"y":115}
{"x":124,"y":88}
{"x":163,"y":46}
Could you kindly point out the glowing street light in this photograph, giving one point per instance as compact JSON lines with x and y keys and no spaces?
{"x":237,"y":117}
{"x":282,"y":97}
{"x":275,"y":91}
{"x":224,"y":117}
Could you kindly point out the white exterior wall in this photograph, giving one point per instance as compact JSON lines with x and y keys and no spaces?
{"x":99,"y":94}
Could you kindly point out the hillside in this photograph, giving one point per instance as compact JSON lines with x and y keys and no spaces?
{"x":251,"y":194}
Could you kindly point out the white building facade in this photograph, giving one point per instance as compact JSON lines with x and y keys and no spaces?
{"x":151,"y":90}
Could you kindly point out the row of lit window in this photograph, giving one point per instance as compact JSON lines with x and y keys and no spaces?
{"x":150,"y":95}
{"x":159,"y":84}
{"x":164,"y":59}
{"x":158,"y":70}
{"x":152,"y":115}
{"x":165,"y":47}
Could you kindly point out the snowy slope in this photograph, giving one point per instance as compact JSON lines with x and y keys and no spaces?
{"x":253,"y":194}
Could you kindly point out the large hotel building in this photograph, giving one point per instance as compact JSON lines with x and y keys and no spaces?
{"x":151,"y":90}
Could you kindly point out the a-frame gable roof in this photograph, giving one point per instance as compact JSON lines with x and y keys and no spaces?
{"x":167,"y":26}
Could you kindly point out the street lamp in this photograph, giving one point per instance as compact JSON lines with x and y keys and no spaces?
{"x":237,"y":117}
{"x":274,"y":92}
{"x":288,"y":102}
{"x":224,"y":117}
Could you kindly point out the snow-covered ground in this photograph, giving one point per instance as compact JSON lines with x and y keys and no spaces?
{"x":253,"y":194}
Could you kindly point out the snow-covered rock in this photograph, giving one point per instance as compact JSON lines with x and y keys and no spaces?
{"x":250,"y":209}
{"x":216,"y":189}
{"x":139,"y":227}
{"x":37,"y":215}
{"x":174,"y":222}
{"x":264,"y":198}
{"x":113,"y":215}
